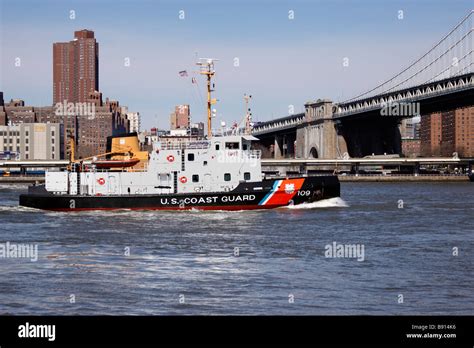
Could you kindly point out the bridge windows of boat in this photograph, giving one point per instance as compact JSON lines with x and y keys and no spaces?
{"x":204,"y":163}
{"x":195,"y":178}
{"x":232,"y":146}
{"x":190,"y":157}
{"x":227,"y":177}
{"x":247,"y":176}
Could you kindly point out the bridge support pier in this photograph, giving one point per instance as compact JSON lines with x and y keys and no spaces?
{"x":319,"y":136}
{"x":278,"y":147}
{"x":283,"y":146}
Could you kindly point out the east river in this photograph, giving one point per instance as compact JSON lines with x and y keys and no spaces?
{"x":412,"y":253}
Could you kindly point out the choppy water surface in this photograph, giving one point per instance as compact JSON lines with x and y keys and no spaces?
{"x":191,"y":257}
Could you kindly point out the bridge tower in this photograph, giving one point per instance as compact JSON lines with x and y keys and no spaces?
{"x":319,"y":135}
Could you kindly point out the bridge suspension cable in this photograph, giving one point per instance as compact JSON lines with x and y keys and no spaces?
{"x":451,"y":56}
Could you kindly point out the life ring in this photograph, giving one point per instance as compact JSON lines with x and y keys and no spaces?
{"x":101,"y":181}
{"x":170,"y":158}
{"x":183,"y":179}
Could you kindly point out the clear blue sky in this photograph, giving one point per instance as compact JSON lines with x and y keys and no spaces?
{"x":283,"y":62}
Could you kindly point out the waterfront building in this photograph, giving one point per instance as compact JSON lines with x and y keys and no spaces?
{"x":430,"y":135}
{"x":411,"y":147}
{"x":449,"y":132}
{"x":458,"y":132}
{"x":89,"y":127}
{"x":33,"y":141}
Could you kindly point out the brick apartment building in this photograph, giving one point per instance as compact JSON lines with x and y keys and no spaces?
{"x":90,"y":132}
{"x":75,"y":68}
{"x":444,"y":133}
{"x":411,"y":147}
{"x":93,"y":131}
{"x":430,"y":135}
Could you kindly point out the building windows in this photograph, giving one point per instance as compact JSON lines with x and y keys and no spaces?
{"x":217,"y":147}
{"x":190,"y":157}
{"x":227,"y":177}
{"x":246,"y":176}
{"x":195,"y":178}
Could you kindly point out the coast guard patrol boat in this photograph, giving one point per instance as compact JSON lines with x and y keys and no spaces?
{"x":215,"y":173}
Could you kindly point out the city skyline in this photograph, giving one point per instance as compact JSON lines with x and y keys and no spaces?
{"x":282,"y":61}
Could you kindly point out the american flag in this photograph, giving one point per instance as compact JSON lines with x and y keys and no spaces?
{"x":183,"y":73}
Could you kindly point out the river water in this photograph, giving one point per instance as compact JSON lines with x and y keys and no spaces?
{"x":417,"y":241}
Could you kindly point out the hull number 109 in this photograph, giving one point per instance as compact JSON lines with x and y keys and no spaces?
{"x":305,"y":193}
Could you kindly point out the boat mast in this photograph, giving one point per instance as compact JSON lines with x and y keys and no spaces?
{"x":207,"y":68}
{"x":248,"y":114}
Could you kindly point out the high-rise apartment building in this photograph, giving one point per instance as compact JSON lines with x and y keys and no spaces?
{"x":75,"y":68}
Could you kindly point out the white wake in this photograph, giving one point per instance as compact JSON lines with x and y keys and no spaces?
{"x":335,"y":202}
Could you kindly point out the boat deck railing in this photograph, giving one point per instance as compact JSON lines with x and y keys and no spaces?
{"x":198,"y":145}
{"x":93,"y":169}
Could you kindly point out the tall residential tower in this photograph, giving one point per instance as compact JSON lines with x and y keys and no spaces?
{"x":75,"y":68}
